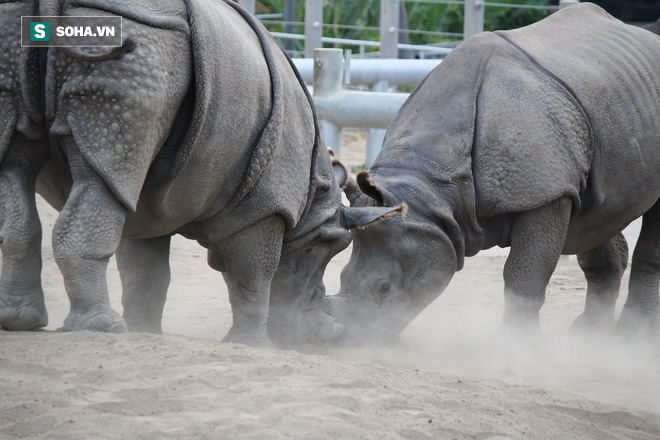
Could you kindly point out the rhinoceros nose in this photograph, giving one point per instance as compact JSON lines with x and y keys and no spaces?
{"x":335,"y":306}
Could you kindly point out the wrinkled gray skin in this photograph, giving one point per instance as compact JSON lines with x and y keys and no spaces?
{"x":200,"y":130}
{"x":544,"y":139}
{"x":23,"y":151}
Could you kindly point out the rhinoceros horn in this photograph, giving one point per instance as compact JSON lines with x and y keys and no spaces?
{"x":364,"y":217}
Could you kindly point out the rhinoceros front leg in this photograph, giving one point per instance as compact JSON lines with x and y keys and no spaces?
{"x":641,"y":313}
{"x":537,"y":239}
{"x":85,"y":236}
{"x":603,"y":267}
{"x":22,"y":304}
{"x":144,"y":268}
{"x":250,"y":260}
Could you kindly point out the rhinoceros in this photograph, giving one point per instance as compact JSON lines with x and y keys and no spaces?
{"x":199,"y":125}
{"x":23,"y":151}
{"x":544,"y":139}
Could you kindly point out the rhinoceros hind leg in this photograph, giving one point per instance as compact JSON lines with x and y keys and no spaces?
{"x":251,"y":257}
{"x":21,"y":311}
{"x":603,"y":268}
{"x":22,"y":304}
{"x":85,"y":236}
{"x":537,"y":239}
{"x":144,"y":269}
{"x":99,"y":317}
{"x":641,"y":313}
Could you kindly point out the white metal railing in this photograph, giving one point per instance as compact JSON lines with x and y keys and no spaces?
{"x":389,"y":25}
{"x":325,"y":69}
{"x":366,"y":43}
{"x":369,"y":72}
{"x":338,"y":108}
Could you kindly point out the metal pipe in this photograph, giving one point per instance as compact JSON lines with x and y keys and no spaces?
{"x":328,"y":71}
{"x":368,"y":72}
{"x":389,"y":28}
{"x":434,"y":49}
{"x":331,"y":135}
{"x":375,"y":136}
{"x":328,"y":75}
{"x":359,"y":109}
{"x":523,"y":6}
{"x":473,"y":21}
{"x":339,"y":108}
{"x":289,"y":16}
{"x":313,"y":26}
{"x":565,"y":3}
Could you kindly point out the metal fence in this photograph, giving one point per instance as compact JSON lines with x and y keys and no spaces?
{"x":328,"y":71}
{"x":389,"y":31}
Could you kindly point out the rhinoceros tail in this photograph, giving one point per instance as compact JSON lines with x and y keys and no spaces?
{"x":115,"y":53}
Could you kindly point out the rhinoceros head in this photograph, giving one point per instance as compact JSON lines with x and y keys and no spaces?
{"x":398,"y":266}
{"x":297,"y":289}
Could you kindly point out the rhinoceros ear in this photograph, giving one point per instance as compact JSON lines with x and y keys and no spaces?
{"x":362,"y":218}
{"x":344,"y":179}
{"x":380,"y":194}
{"x":341,"y":173}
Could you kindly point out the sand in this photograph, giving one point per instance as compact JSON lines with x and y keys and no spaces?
{"x":447,"y":377}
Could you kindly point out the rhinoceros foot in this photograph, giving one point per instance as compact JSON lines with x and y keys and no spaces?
{"x":591,"y":323}
{"x":136,"y":326}
{"x":22,"y":310}
{"x":246,"y":337}
{"x":634,"y":324}
{"x":100,"y":318}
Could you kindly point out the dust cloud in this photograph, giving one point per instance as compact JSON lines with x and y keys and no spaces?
{"x":459,"y":333}
{"x":447,"y":376}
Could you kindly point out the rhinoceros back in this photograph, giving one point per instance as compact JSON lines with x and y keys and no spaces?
{"x":612,"y":70}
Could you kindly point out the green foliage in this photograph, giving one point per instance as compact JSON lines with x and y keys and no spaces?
{"x":434,"y":18}
{"x":354,"y":13}
{"x":497,"y":18}
{"x":449,"y":18}
{"x":360,"y":15}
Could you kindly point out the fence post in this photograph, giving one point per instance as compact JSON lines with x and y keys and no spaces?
{"x":473,"y":21}
{"x":289,"y":16}
{"x":248,"y":5}
{"x":389,"y":28}
{"x":328,"y":74}
{"x":565,"y":3}
{"x":389,"y":40}
{"x":375,"y":136}
{"x":313,"y":26}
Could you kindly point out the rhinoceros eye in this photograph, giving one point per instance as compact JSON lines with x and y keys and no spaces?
{"x":384,"y":288}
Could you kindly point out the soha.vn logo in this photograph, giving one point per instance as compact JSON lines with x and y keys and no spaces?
{"x":40,"y":31}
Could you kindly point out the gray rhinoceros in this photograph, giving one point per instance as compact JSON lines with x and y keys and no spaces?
{"x":23,"y":151}
{"x":545,"y":139}
{"x":198,"y":126}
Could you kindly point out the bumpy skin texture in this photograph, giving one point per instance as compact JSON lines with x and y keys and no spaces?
{"x":204,"y":130}
{"x":23,"y":151}
{"x":544,"y":139}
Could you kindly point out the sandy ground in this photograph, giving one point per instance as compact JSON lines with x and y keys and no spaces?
{"x":447,"y":378}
